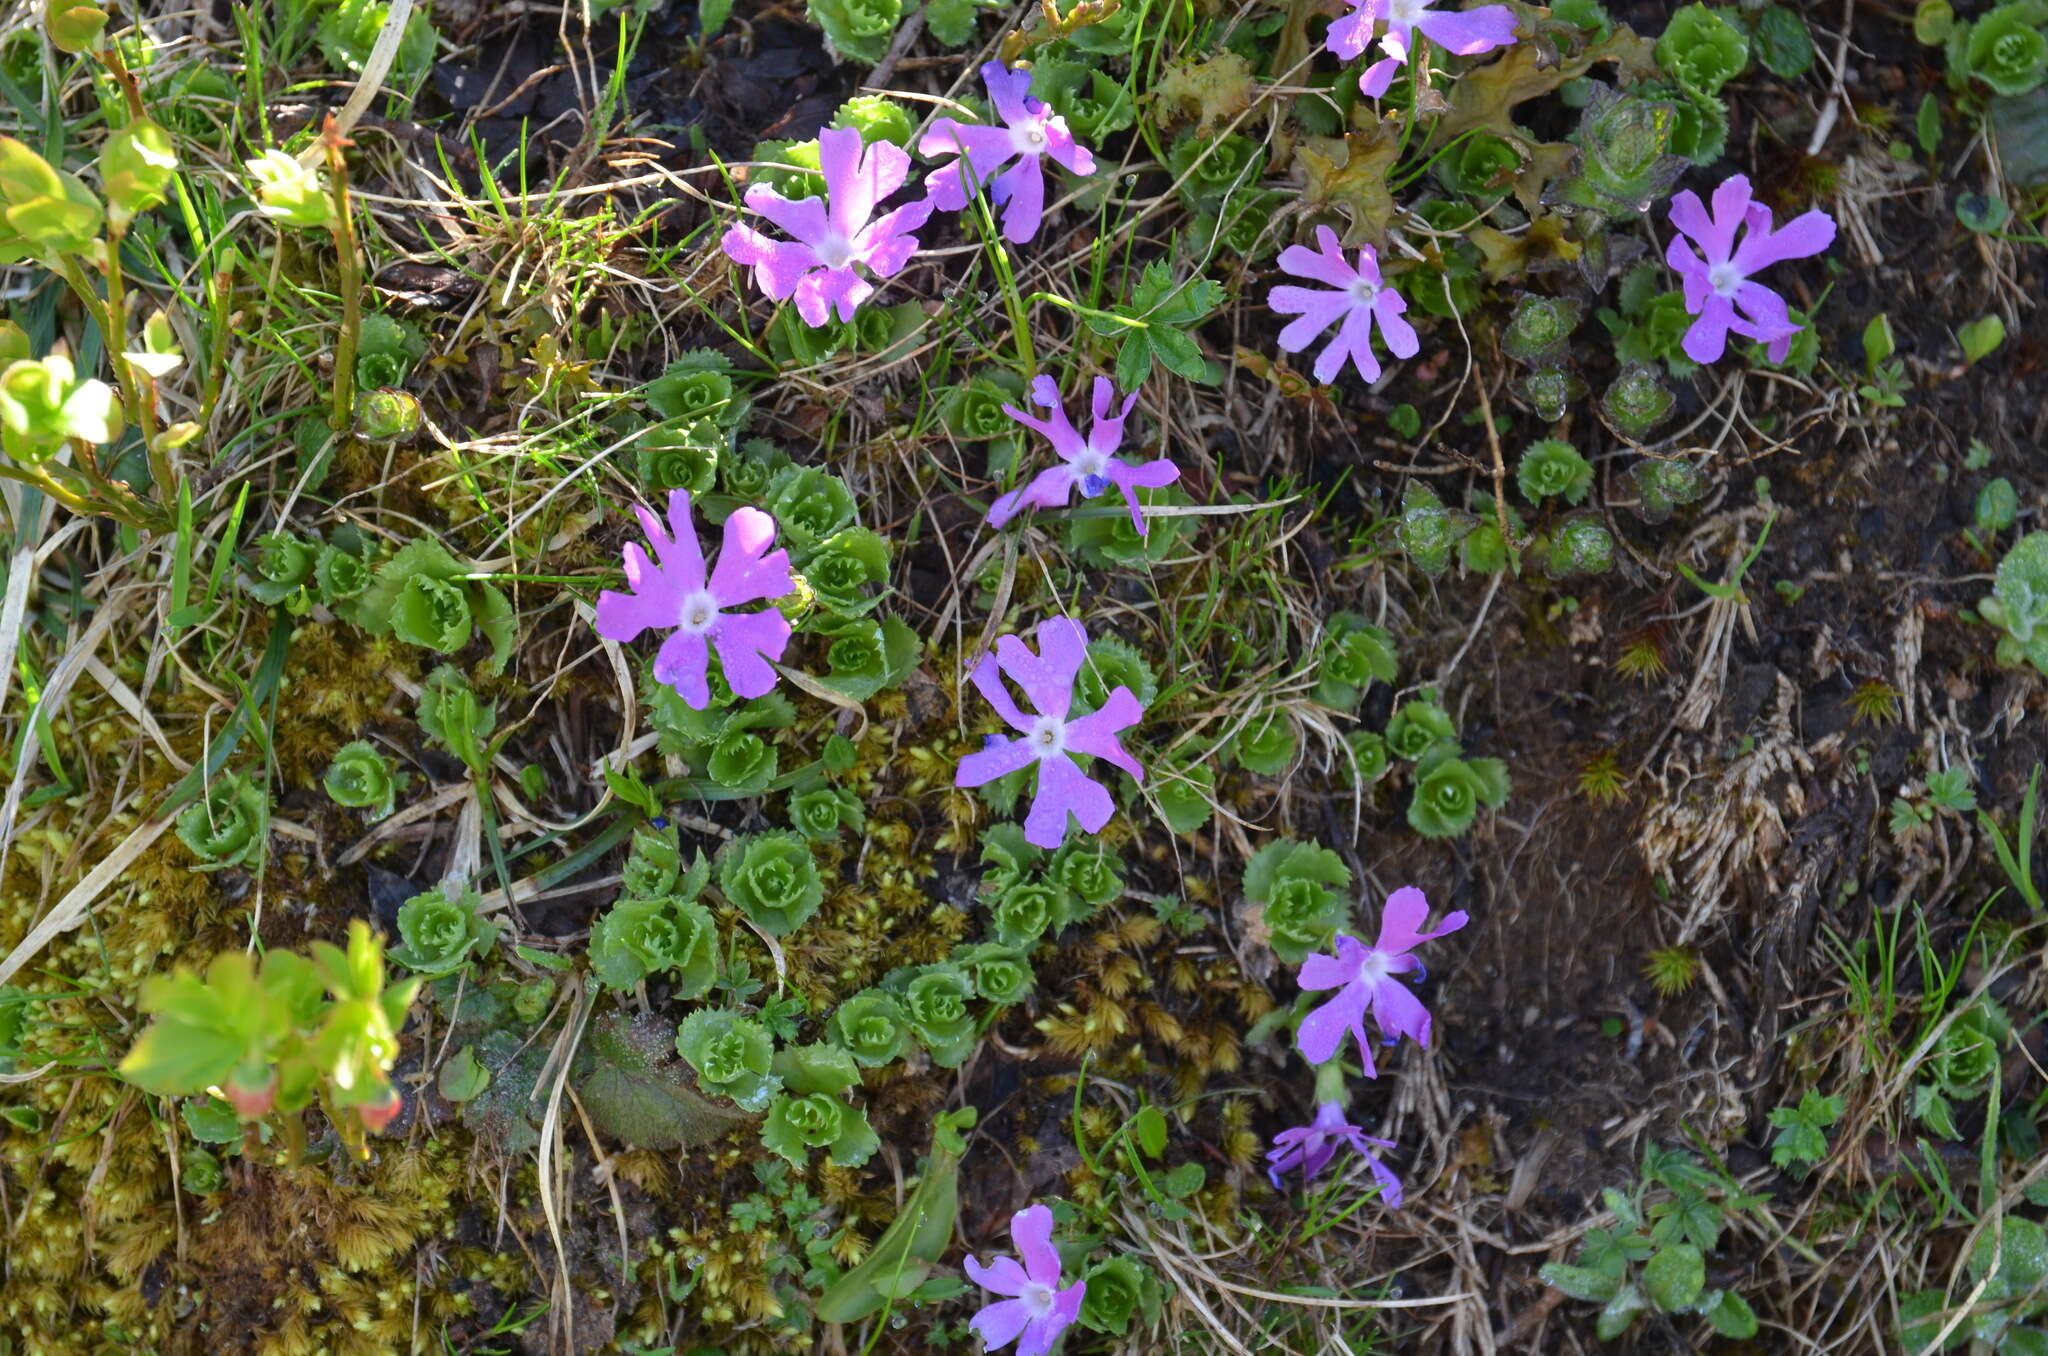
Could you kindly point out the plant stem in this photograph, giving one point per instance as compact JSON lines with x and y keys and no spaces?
{"x":138,"y":390}
{"x":339,"y":416}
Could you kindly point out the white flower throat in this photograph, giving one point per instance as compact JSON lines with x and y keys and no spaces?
{"x":1037,"y":1298}
{"x":834,"y":251}
{"x":1725,"y":278}
{"x":698,"y":611}
{"x":1048,"y":736}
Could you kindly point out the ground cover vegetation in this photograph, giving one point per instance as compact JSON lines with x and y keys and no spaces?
{"x":1145,"y":676}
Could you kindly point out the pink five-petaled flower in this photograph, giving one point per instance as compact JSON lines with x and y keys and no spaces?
{"x":1088,"y":462}
{"x":1368,"y":978}
{"x":1358,"y":298}
{"x":1466,"y":33}
{"x":1717,"y":288}
{"x":1050,"y":739}
{"x":817,"y":268}
{"x":1311,"y":1147}
{"x":1037,"y":1310}
{"x":1031,"y":132}
{"x":675,"y":597}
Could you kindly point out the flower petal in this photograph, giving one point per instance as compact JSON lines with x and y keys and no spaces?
{"x":747,"y":571}
{"x":1048,"y":680}
{"x":1320,"y":971}
{"x":682,"y":662}
{"x":1806,"y":234}
{"x":1095,"y":734}
{"x":852,"y":178}
{"x":887,"y":243}
{"x":1043,"y":1332}
{"x":1031,"y":1231}
{"x":1321,"y":1033}
{"x":1324,"y":264}
{"x":1022,"y":186}
{"x":999,"y":1324}
{"x":1354,"y":338}
{"x":1064,"y":150}
{"x":1689,"y":215}
{"x":623,"y":616}
{"x":999,"y":759}
{"x":1391,"y":310}
{"x":1379,"y":76}
{"x":987,"y":676}
{"x":1050,"y":488}
{"x":1707,"y":340}
{"x":682,"y":557}
{"x":1056,"y":428}
{"x":1063,"y":789}
{"x":804,"y":218}
{"x":1399,"y":1012}
{"x":1317,"y":311}
{"x":1003,"y":1276}
{"x":1401,"y":922}
{"x":1009,"y":91}
{"x":831,"y":289}
{"x":1349,"y":35}
{"x":1471,"y":31}
{"x":742,"y":639}
{"x":779,"y":265}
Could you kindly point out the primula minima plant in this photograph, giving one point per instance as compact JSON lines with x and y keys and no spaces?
{"x":1368,"y":978}
{"x":1031,"y":132}
{"x":1465,"y":33}
{"x":1089,"y":462}
{"x":1718,"y":287}
{"x":1311,"y":1147}
{"x":1049,"y":739}
{"x":675,"y":596}
{"x":1353,"y":299}
{"x":1036,"y":1310}
{"x":834,"y":236}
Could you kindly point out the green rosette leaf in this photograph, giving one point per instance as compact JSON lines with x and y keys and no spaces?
{"x":1553,"y":468}
{"x":1026,"y":911}
{"x":797,"y":1125}
{"x":1355,"y":655}
{"x":872,"y":1027}
{"x":732,"y":1056}
{"x":1001,"y":974}
{"x":1449,"y":791}
{"x":439,"y":935}
{"x":773,"y":879}
{"x":282,"y":567}
{"x":637,"y":938}
{"x":360,"y":778}
{"x":935,"y":1002}
{"x":1418,"y":727}
{"x":821,"y":815}
{"x":844,"y":568}
{"x":228,"y":825}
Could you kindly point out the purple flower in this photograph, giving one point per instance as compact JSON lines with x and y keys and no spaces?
{"x":674,"y":597}
{"x":1088,"y":460}
{"x":1465,"y":33}
{"x":1032,"y":132}
{"x":1037,"y":1310}
{"x":817,"y":268}
{"x":1365,"y":977}
{"x":1311,"y":1147}
{"x":1718,"y":288}
{"x":1358,"y":298}
{"x":1050,"y":739}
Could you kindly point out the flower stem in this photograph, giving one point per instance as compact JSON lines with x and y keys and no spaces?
{"x":339,"y":415}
